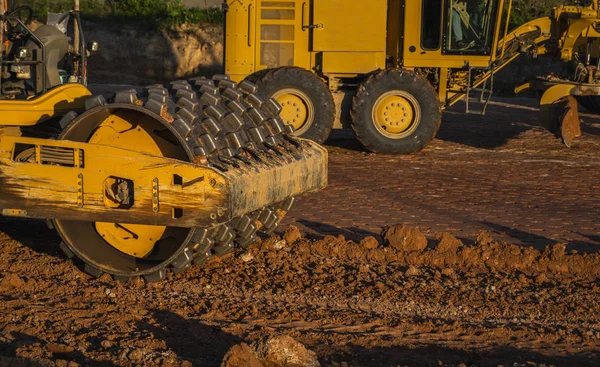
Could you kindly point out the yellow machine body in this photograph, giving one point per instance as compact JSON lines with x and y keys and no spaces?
{"x":166,"y":192}
{"x":344,"y":41}
{"x":67,"y":180}
{"x":147,"y":179}
{"x":55,"y":103}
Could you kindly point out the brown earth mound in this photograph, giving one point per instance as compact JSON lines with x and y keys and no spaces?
{"x":402,"y":244}
{"x":274,"y":352}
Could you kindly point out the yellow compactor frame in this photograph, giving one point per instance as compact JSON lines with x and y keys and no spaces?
{"x":142,"y":181}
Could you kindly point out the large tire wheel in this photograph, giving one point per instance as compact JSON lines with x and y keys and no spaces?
{"x":213,"y":122}
{"x":396,"y":112}
{"x":306,"y":101}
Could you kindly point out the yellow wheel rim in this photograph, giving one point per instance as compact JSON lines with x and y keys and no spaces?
{"x":396,"y":114}
{"x":117,"y":130}
{"x":297,"y":109}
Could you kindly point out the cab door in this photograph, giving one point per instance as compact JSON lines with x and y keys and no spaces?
{"x":278,"y":37}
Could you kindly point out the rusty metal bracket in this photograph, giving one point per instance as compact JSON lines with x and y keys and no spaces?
{"x":155,"y":198}
{"x":14,"y":213}
{"x":80,"y":190}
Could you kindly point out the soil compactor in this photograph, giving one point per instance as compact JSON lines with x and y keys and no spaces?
{"x":140,"y":183}
{"x":387,"y":68}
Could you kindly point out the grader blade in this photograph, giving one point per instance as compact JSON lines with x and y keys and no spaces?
{"x":559,"y":113}
{"x":570,"y":124}
{"x":562,"y":119}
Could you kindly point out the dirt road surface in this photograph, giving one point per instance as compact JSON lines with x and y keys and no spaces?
{"x":500,"y":173}
{"x":409,"y":297}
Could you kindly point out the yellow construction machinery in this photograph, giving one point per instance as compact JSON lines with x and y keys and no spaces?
{"x":393,"y":65}
{"x":143,"y":181}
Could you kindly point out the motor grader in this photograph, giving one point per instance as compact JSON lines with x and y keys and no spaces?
{"x":388,"y":67}
{"x":142,"y":182}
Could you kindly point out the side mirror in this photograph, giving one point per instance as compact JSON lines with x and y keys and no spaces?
{"x":92,"y":46}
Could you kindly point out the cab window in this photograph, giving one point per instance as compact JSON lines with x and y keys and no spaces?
{"x":470,"y":25}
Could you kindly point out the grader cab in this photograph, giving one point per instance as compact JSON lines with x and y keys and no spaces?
{"x":387,"y":67}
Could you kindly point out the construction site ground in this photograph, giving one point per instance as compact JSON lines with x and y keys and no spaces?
{"x":501,"y":173}
{"x":517,"y":285}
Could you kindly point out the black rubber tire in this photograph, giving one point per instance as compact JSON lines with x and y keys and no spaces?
{"x":271,"y":81}
{"x":390,"y":80}
{"x":591,"y":103}
{"x":218,"y":123}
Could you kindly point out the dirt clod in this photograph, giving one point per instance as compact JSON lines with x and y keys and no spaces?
{"x":484,"y":238}
{"x":278,"y":245}
{"x":59,"y":348}
{"x":241,"y":355}
{"x":448,"y":243}
{"x":369,"y":243}
{"x":404,"y":238}
{"x":274,"y":352}
{"x":448,"y":272}
{"x":292,"y":234}
{"x":11,"y":281}
{"x":106,"y":344}
{"x":541,"y":279}
{"x":136,"y":355}
{"x":285,"y":351}
{"x":247,"y":257}
{"x":412,"y":271}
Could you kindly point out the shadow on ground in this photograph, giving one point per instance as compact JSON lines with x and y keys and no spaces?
{"x":436,"y":355}
{"x":485,"y":132}
{"x":8,"y":354}
{"x":33,"y":233}
{"x":321,"y":230}
{"x":190,"y":339}
{"x":540,"y":242}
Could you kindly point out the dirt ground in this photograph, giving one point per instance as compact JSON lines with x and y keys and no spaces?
{"x":500,"y":172}
{"x":397,"y":296}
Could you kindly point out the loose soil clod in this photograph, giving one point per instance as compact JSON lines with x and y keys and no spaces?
{"x":274,"y":352}
{"x":404,"y":238}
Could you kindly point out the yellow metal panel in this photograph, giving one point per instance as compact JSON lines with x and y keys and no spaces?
{"x":350,"y":25}
{"x":352,"y":62}
{"x":52,"y":191}
{"x":240,"y":38}
{"x":432,"y":59}
{"x":206,"y":196}
{"x":56,"y":102}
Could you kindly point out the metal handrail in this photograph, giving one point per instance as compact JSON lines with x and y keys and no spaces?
{"x":506,"y":29}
